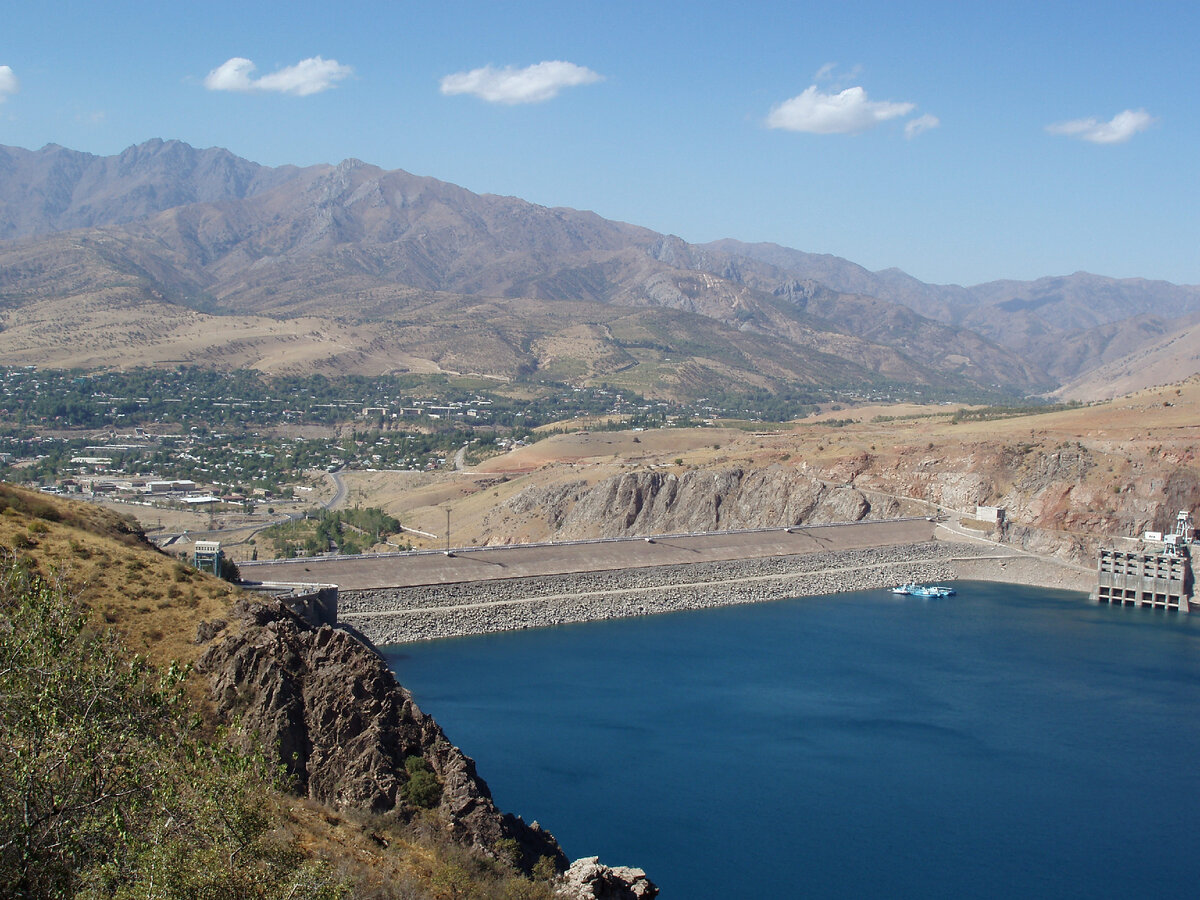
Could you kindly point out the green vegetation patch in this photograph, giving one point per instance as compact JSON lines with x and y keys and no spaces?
{"x":988,"y":413}
{"x":107,"y":788}
{"x":345,"y":531}
{"x":423,"y":789}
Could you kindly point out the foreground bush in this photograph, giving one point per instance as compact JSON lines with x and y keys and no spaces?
{"x":106,"y":787}
{"x":109,"y":788}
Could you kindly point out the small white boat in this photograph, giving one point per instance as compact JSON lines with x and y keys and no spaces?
{"x":932,"y":590}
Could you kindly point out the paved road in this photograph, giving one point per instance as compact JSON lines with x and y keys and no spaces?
{"x":245,"y":532}
{"x":339,"y":490}
{"x":522,"y":561}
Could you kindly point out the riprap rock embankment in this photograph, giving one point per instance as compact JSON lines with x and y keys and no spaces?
{"x":397,"y":615}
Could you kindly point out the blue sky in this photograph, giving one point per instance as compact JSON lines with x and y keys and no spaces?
{"x":959,"y":141}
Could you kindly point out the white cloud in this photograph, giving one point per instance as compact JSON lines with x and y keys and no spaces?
{"x":533,"y":84}
{"x":847,"y":112}
{"x":825,"y":73}
{"x":309,"y":76}
{"x":1117,"y":130}
{"x":829,"y":75}
{"x":8,"y":83}
{"x":913,"y":127}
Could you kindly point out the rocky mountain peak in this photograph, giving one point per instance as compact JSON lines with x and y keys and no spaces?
{"x":338,"y":236}
{"x":56,"y":189}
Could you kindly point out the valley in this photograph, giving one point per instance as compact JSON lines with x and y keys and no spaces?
{"x":326,"y":367}
{"x":1067,"y":476}
{"x":597,"y":451}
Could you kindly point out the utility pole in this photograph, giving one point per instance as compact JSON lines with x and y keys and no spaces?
{"x":447,"y":531}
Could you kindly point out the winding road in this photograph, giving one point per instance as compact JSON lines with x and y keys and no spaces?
{"x":339,"y":490}
{"x":245,"y":532}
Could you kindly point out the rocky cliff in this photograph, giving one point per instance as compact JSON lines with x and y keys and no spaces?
{"x":588,"y":879}
{"x":327,"y":706}
{"x":1064,"y":485}
{"x":710,"y":499}
{"x":332,"y":711}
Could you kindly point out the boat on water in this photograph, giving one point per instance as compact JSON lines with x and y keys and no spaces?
{"x":932,"y":590}
{"x":923,"y":590}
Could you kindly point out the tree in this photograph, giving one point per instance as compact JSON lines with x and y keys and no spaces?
{"x":229,"y":570}
{"x":422,"y":788}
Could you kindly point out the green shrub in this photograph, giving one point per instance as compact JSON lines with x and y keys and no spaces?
{"x":106,"y":790}
{"x":229,"y":570}
{"x":422,"y":789}
{"x":544,"y":869}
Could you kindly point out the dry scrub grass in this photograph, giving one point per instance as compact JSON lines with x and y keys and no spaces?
{"x":116,"y":319}
{"x":388,"y":858}
{"x":154,"y":601}
{"x":1132,"y":444}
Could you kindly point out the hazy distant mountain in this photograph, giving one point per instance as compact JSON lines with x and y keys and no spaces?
{"x":557,"y":290}
{"x":1066,"y":325}
{"x":936,"y":301}
{"x":55,"y":189}
{"x":1153,"y":363}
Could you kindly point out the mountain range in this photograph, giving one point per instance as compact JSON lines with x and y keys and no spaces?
{"x":166,"y":254}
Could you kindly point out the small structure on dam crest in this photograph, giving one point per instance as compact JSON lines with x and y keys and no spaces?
{"x":316,"y":604}
{"x":1159,"y":577}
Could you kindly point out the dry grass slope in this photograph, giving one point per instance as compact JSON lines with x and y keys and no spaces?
{"x":1112,"y":469}
{"x":152,"y":600}
{"x":155,"y":602}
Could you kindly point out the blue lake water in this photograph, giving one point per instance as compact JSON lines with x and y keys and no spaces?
{"x":1004,"y":742}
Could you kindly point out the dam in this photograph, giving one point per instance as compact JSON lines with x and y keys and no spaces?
{"x":1156,"y":575}
{"x":508,"y":561}
{"x":401,"y":597}
{"x":1158,"y":580}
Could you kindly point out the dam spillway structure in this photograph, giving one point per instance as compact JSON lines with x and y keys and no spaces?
{"x":206,"y":556}
{"x":1158,"y":576}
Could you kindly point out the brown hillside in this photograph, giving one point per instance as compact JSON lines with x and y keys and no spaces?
{"x":1178,"y":350}
{"x":1067,"y":478}
{"x":353,"y":244}
{"x":154,"y":601}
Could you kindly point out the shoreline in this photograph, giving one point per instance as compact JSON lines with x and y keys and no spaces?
{"x":389,"y":616}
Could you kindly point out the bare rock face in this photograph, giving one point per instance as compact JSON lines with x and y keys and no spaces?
{"x":332,"y":711}
{"x":647,"y":502}
{"x":588,"y":879}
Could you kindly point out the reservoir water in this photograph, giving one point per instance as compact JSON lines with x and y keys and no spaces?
{"x":1005,"y":742}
